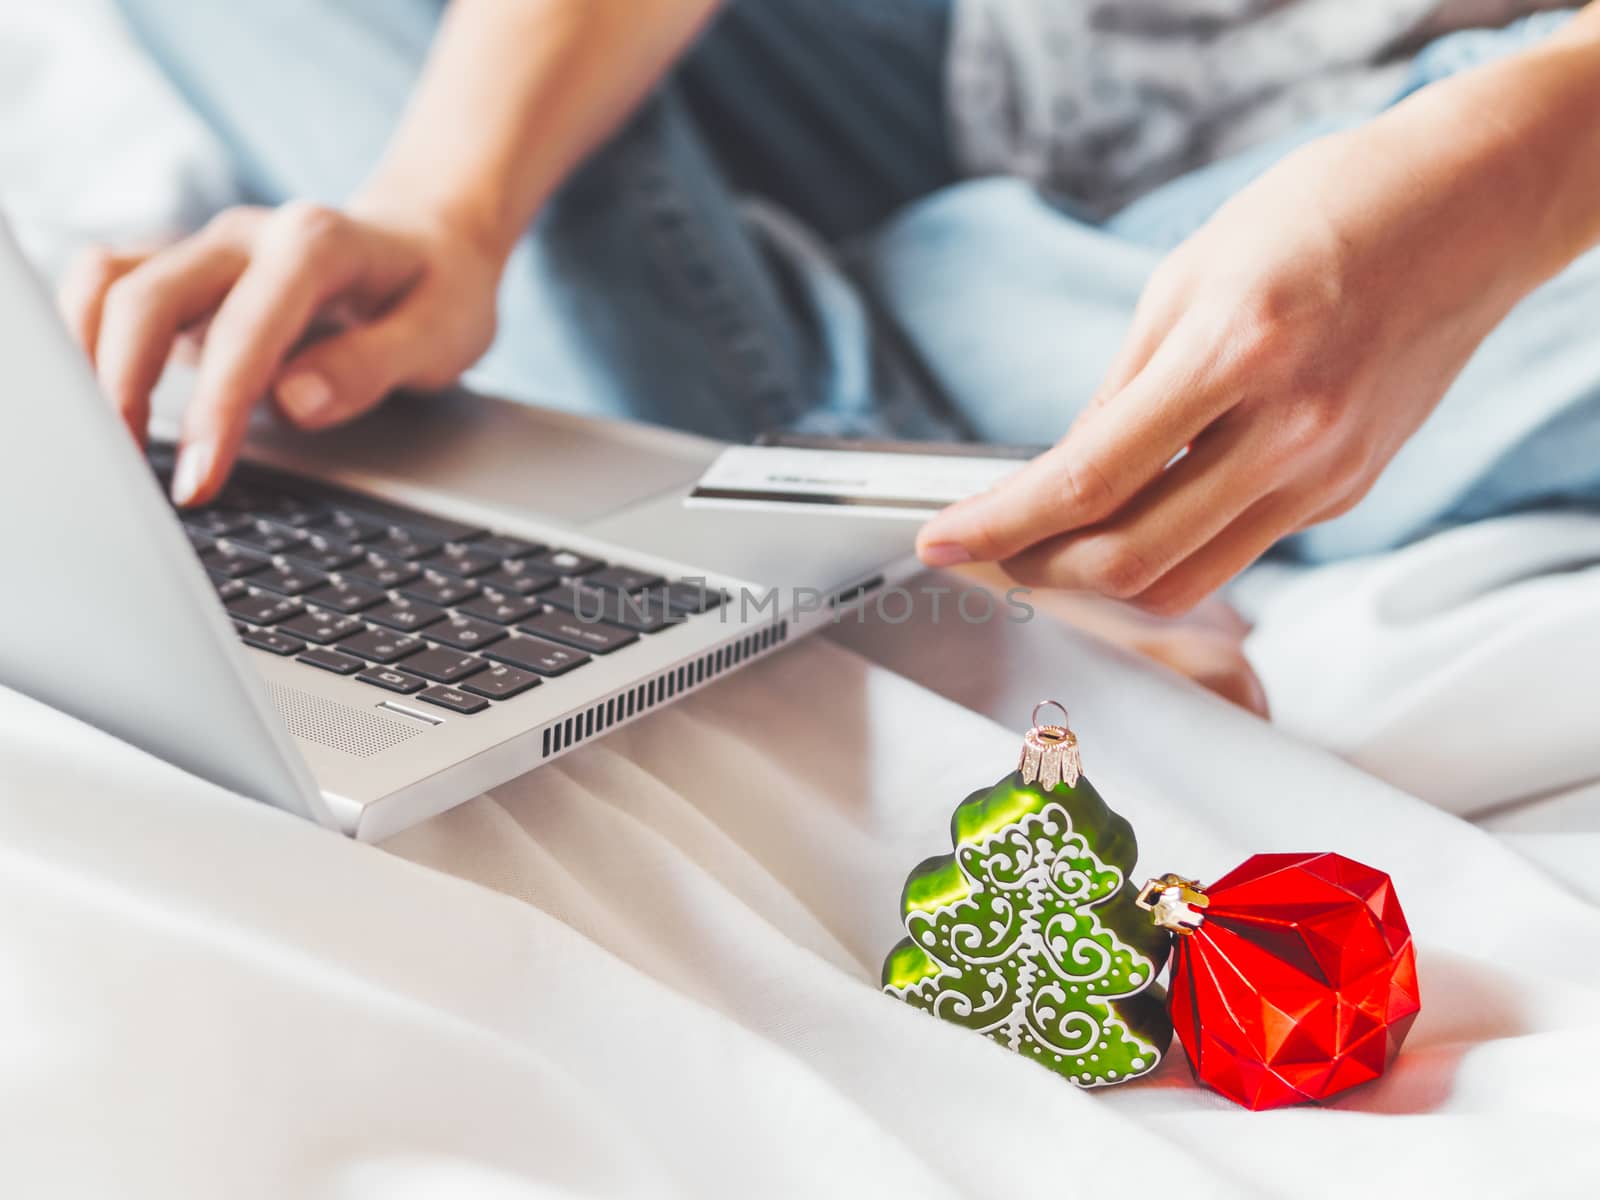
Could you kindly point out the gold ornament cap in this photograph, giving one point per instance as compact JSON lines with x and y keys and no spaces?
{"x":1175,"y":903}
{"x":1050,"y":752}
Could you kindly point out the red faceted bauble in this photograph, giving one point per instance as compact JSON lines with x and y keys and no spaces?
{"x":1299,"y":982}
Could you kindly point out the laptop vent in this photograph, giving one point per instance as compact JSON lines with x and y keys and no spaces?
{"x":625,"y":705}
{"x":340,"y":727}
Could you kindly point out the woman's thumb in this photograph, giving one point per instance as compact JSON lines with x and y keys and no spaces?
{"x":341,"y":377}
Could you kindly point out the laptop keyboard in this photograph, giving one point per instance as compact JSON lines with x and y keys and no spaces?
{"x":420,"y":606}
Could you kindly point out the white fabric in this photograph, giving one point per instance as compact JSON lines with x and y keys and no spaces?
{"x":94,"y":143}
{"x":1560,"y":832}
{"x":1461,"y":669}
{"x":661,"y":980}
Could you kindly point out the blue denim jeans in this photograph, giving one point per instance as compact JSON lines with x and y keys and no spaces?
{"x":778,"y":240}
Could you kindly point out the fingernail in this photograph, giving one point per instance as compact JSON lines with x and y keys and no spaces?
{"x":306,"y":397}
{"x":194,"y":463}
{"x":944,"y":554}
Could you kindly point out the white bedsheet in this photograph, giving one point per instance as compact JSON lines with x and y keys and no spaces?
{"x":653,"y":972}
{"x":1462,"y":668}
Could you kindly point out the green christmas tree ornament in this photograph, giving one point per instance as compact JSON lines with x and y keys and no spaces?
{"x":1030,"y":932}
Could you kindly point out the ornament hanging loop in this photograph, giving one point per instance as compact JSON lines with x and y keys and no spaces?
{"x":1050,"y":752}
{"x":1044,"y":704}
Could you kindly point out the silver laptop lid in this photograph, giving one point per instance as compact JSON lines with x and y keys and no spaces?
{"x":105,"y":612}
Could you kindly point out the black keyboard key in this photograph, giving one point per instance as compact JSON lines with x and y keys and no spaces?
{"x":575,"y":598}
{"x":346,"y":595}
{"x":564,"y":562}
{"x":271,"y":641}
{"x":266,"y":498}
{"x":241,"y":497}
{"x":501,"y":683}
{"x":215,"y":521}
{"x":593,"y":636}
{"x":262,"y":608}
{"x":234,"y":561}
{"x":200,"y":541}
{"x":533,"y":654}
{"x":381,"y":645}
{"x":519,"y":579}
{"x":380,"y":570}
{"x":302,"y":512}
{"x":268,"y":537}
{"x":407,"y":616}
{"x":394,"y":681}
{"x":466,"y":633}
{"x":402,"y":543}
{"x":644,"y":613}
{"x":228,"y":589}
{"x":289,"y":578}
{"x":692,"y":596}
{"x":462,"y":558}
{"x":455,"y":701}
{"x":499,"y":608}
{"x":321,"y":627}
{"x":326,"y":553}
{"x":357,"y":527}
{"x":435,"y":587}
{"x":622,"y":579}
{"x":409,"y":522}
{"x":332,"y":660}
{"x":443,"y":665}
{"x":508,"y":547}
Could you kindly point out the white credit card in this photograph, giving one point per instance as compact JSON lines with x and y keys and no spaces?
{"x":876,"y":479}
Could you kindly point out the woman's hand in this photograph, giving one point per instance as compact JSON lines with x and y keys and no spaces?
{"x":325,"y":312}
{"x":1292,"y":345}
{"x":328,"y":311}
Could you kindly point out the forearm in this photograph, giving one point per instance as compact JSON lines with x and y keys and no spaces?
{"x":515,"y":95}
{"x":1522,"y":138}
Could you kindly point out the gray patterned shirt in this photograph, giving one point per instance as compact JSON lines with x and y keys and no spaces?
{"x":1101,"y":100}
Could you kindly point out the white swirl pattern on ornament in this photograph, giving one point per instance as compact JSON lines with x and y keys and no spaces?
{"x":1041,"y":983}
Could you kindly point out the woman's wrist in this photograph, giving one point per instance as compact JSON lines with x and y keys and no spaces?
{"x":462,"y":217}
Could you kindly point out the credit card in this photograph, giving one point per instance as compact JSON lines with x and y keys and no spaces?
{"x":910,"y":480}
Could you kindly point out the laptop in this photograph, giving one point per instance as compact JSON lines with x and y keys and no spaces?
{"x":373,"y":625}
